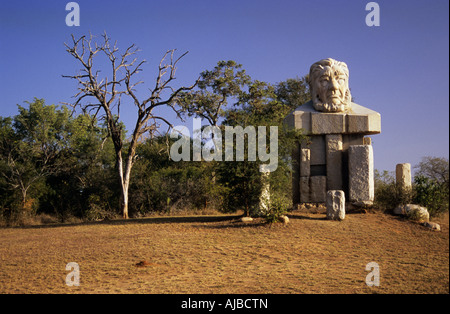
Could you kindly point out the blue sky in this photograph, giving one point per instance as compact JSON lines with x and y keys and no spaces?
{"x":400,"y":69}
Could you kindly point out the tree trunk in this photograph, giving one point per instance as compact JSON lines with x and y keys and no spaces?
{"x":125,"y":200}
{"x":24,"y":199}
{"x":123,"y":185}
{"x":125,"y":181}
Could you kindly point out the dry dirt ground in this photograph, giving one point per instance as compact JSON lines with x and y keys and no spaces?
{"x":220,"y":254}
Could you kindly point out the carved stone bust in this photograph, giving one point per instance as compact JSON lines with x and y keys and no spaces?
{"x":328,"y":83}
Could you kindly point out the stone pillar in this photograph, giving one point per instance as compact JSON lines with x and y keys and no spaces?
{"x":304,"y":190}
{"x":335,"y":205}
{"x":361,"y":181}
{"x":403,"y":176}
{"x":296,"y":174}
{"x":305,"y":162}
{"x":334,"y":146}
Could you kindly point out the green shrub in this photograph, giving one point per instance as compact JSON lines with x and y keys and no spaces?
{"x":431,"y":194}
{"x":390,"y":195}
{"x":278,"y":207}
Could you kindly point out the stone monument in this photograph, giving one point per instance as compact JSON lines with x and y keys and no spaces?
{"x":337,"y":155}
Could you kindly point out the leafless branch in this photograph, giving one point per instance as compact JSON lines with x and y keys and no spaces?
{"x":107,"y":92}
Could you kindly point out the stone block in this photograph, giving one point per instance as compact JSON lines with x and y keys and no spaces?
{"x":359,"y":120}
{"x":305,"y":162}
{"x":334,"y":146}
{"x":289,"y":120}
{"x":403,"y":175}
{"x":304,"y":190}
{"x":367,"y":141}
{"x":352,"y":139}
{"x":327,"y":123}
{"x":361,"y":181}
{"x":299,"y":119}
{"x":369,"y":123}
{"x":318,"y":189}
{"x":318,"y":150}
{"x":302,"y":120}
{"x":335,"y":205}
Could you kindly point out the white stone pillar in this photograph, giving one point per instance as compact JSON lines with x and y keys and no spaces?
{"x":403,"y":176}
{"x":361,"y":181}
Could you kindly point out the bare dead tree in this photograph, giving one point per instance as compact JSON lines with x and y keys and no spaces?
{"x":108,"y":94}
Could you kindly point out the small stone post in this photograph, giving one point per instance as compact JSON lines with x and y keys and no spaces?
{"x":335,"y":205}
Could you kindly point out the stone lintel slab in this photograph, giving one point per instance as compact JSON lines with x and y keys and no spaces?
{"x":327,"y":123}
{"x":364,"y":123}
{"x":357,"y":120}
{"x":299,"y":120}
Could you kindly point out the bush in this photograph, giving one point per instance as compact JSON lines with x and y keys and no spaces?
{"x":426,"y":192}
{"x":390,"y":195}
{"x":431,"y":194}
{"x":97,"y":209}
{"x":278,"y":207}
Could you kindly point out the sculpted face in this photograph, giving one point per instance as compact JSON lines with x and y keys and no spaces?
{"x":328,"y":80}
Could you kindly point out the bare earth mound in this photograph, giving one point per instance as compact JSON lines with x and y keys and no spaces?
{"x":221,"y":254}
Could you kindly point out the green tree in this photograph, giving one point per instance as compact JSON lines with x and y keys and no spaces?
{"x":31,"y":146}
{"x":293,"y":92}
{"x":160,"y":184}
{"x":86,"y":185}
{"x":214,"y":90}
{"x":434,"y":168}
{"x":431,"y":184}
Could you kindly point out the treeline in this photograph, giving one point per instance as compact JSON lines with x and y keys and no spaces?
{"x":58,"y":166}
{"x":61,"y":165}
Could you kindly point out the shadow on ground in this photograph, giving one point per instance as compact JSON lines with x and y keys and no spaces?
{"x":131,"y":221}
